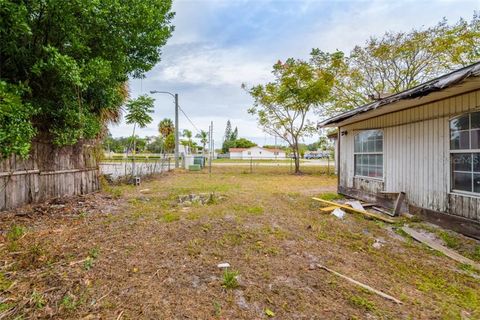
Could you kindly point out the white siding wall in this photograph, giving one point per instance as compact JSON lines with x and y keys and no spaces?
{"x":235,"y":155}
{"x":259,"y":153}
{"x":416,"y":154}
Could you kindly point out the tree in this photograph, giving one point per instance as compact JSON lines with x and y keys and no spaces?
{"x":169,"y":143}
{"x":139,"y":111}
{"x":398,"y":61}
{"x":243,"y":143}
{"x":66,"y":63}
{"x":234,"y":135}
{"x":189,"y":143}
{"x":227,"y":137}
{"x":203,"y":136}
{"x":281,"y":106}
{"x":165,"y":127}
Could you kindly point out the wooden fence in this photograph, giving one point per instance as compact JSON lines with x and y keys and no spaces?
{"x":49,"y":172}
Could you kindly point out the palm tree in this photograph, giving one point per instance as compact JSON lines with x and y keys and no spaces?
{"x":188,"y":134}
{"x":166,"y":127}
{"x":203,"y":136}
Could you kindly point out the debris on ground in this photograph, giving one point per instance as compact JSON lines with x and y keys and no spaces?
{"x":355,"y":205}
{"x":339,"y":213}
{"x":348,"y":208}
{"x":380,"y":293}
{"x":199,"y":199}
{"x":446,"y":251}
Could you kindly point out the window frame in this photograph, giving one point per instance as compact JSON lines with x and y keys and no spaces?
{"x":462,"y":151}
{"x":382,"y":153}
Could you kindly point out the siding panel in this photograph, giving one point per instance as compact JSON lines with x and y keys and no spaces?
{"x":416,"y":155}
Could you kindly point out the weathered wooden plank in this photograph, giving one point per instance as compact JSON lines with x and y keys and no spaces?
{"x":446,"y":251}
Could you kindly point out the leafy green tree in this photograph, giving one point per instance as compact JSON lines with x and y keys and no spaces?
{"x":169,"y":143}
{"x":67,"y":64}
{"x":139,"y":111}
{"x":16,"y":129}
{"x":243,"y":143}
{"x":398,"y":61}
{"x":281,"y":107}
{"x":227,"y":137}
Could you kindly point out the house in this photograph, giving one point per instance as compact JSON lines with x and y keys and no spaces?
{"x":425,"y":142}
{"x":256,"y":153}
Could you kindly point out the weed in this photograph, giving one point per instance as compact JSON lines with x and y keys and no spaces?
{"x":15,"y":233}
{"x":68,"y":303}
{"x":450,"y":240}
{"x":255,"y":210}
{"x":37,"y":300}
{"x":229,"y":279}
{"x":6,"y":306}
{"x":330,"y":196}
{"x":194,"y":247}
{"x":362,"y":303}
{"x":269,"y":313}
{"x":217,"y":307}
{"x":170,"y":217}
{"x":88,"y":263}
{"x":94,"y":252}
{"x":466,"y":267}
{"x":4,"y":283}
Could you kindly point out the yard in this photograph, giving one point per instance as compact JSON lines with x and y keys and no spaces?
{"x":151,"y":252}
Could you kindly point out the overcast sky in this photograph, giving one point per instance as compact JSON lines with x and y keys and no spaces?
{"x":219,"y":44}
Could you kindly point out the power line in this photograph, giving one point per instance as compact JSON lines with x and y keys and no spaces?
{"x":191,"y":122}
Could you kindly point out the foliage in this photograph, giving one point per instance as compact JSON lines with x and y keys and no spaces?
{"x":281,"y":107}
{"x":169,"y":143}
{"x":65,"y":64}
{"x":203,"y":136}
{"x":16,"y":129}
{"x":139,"y":111}
{"x":229,"y":279}
{"x":397,"y":61}
{"x":166,"y":127}
{"x":231,"y":139}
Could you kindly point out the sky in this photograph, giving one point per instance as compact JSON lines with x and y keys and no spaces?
{"x":219,"y":44}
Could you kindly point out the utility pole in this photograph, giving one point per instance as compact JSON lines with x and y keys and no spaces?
{"x":175,"y":96}
{"x":211,"y":149}
{"x":176,"y":132}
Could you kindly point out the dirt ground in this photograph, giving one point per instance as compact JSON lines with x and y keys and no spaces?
{"x":151,"y":252}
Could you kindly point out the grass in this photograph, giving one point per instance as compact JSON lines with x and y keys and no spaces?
{"x":151,"y":258}
{"x":362,"y":303}
{"x":229,"y":279}
{"x":330,"y":196}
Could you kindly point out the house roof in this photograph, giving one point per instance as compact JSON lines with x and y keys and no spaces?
{"x":243,"y":149}
{"x":426,"y":92}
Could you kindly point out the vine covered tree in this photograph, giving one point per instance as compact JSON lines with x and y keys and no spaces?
{"x":64,"y":65}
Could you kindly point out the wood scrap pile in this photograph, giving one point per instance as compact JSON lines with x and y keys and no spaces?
{"x":352,"y":207}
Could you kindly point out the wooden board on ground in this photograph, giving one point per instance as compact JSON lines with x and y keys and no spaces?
{"x":367,"y":287}
{"x":328,"y":209}
{"x":446,"y":251}
{"x":349,"y":209}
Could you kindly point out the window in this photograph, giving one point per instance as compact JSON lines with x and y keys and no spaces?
{"x":368,"y":151}
{"x":465,"y":153}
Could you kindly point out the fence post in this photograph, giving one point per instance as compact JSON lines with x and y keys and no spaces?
{"x":168,"y":163}
{"x":251,"y":164}
{"x":328,"y":166}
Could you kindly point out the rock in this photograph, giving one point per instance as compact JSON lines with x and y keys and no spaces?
{"x":223,"y":265}
{"x":378,"y":243}
{"x":240,"y":300}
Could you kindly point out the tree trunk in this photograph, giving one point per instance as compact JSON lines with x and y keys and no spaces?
{"x":296,"y":155}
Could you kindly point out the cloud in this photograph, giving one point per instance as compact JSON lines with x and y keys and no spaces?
{"x":201,"y":64}
{"x":219,"y":44}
